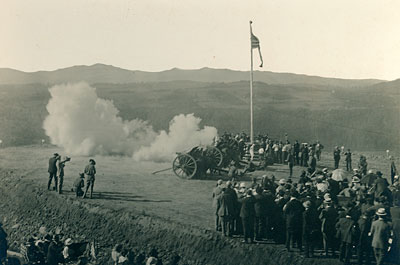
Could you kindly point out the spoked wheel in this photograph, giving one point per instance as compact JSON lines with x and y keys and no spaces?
{"x":184,"y":166}
{"x":215,"y":155}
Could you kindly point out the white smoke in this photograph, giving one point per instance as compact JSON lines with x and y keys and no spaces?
{"x":84,"y":124}
{"x":184,"y":133}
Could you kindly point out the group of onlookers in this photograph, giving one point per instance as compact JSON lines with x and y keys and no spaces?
{"x":353,"y":217}
{"x":56,"y":172}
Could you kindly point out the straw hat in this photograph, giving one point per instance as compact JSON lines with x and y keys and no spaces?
{"x":381,"y":212}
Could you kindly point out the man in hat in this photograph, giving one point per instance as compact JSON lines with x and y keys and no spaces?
{"x":348,"y":160}
{"x":90,"y":172}
{"x":328,"y":217}
{"x":61,"y":165}
{"x":226,"y":211}
{"x":364,"y":250}
{"x":310,"y":228}
{"x":293,"y":211}
{"x":3,"y":245}
{"x":381,"y":231}
{"x":216,"y":193}
{"x":247,"y":213}
{"x":53,"y":170}
{"x":336,"y":156}
{"x":347,"y":231}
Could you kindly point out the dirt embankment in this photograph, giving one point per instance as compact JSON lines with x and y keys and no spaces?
{"x":25,"y":207}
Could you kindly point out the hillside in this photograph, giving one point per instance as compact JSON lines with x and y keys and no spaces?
{"x":100,"y":73}
{"x":360,"y":118}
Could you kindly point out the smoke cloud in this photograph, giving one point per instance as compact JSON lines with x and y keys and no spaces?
{"x":84,"y":124}
{"x":184,"y":133}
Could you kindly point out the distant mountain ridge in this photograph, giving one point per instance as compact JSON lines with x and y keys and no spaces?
{"x":101,"y":73}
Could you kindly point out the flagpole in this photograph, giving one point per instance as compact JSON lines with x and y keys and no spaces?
{"x":251,"y":89}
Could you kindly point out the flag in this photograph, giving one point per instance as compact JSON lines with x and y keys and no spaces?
{"x":255,"y":44}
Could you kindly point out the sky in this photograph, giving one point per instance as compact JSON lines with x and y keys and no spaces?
{"x":335,"y":38}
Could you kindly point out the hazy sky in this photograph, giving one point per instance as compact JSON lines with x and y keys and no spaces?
{"x":337,"y":38}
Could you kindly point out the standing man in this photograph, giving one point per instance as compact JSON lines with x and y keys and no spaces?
{"x":53,"y":171}
{"x":318,"y":150}
{"x":348,"y":160}
{"x":393,"y":170}
{"x":61,"y":166}
{"x":226,"y":211}
{"x":90,"y":172}
{"x":380,"y":233}
{"x":290,"y":161}
{"x":296,"y":148}
{"x":293,"y":211}
{"x":336,"y":156}
{"x":247,"y":213}
{"x":347,"y":231}
{"x":216,"y":193}
{"x":328,"y":217}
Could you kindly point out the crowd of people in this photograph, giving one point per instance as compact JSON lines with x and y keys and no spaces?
{"x":360,"y":216}
{"x":54,"y":248}
{"x":56,"y":172}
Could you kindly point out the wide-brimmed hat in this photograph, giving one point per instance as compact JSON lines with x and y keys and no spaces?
{"x":328,"y":200}
{"x":379,"y":173}
{"x":242,"y":185}
{"x":56,"y":154}
{"x":356,"y":179}
{"x":282,"y":181}
{"x":381,"y":212}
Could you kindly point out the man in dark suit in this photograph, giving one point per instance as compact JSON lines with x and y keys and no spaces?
{"x":336,"y":156}
{"x":53,"y":171}
{"x":328,"y":217}
{"x":380,"y":233}
{"x":310,"y":227}
{"x":364,"y":250}
{"x":293,"y":211}
{"x":226,"y":211}
{"x":260,"y":206}
{"x":216,"y":193}
{"x":247,"y":213}
{"x":347,"y":231}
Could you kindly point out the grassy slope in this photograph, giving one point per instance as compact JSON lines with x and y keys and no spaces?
{"x":361,"y":118}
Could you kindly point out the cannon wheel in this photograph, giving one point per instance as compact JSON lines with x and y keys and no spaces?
{"x":184,"y":166}
{"x":216,"y":155}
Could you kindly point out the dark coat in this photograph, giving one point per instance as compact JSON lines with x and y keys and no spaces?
{"x":54,"y":254}
{"x":347,"y":230}
{"x":364,"y":224}
{"x":247,"y":210}
{"x":311,"y":222}
{"x":294,"y":214}
{"x":225,"y":204}
{"x":260,"y":205}
{"x":328,"y":217}
{"x":53,"y":165}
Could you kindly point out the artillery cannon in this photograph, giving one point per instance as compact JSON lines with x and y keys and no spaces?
{"x":197,"y":162}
